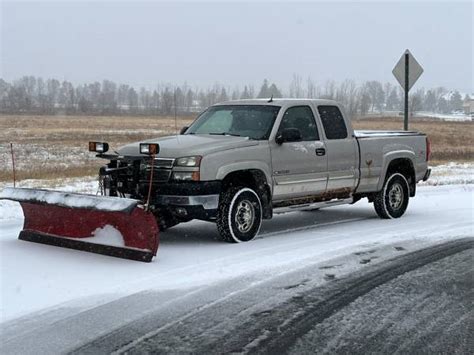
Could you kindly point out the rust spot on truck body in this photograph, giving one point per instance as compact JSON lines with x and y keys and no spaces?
{"x":340,"y":193}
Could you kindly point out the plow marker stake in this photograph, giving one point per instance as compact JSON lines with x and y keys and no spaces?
{"x":63,"y":219}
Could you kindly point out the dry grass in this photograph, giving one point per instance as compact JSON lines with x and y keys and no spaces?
{"x":55,"y":147}
{"x":48,"y":147}
{"x":450,"y":141}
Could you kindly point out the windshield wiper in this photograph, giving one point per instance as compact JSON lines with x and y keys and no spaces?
{"x":225,"y":134}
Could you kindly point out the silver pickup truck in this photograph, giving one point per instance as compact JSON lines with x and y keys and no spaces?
{"x":242,"y":161}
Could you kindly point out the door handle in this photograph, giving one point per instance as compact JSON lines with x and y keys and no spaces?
{"x":320,"y":152}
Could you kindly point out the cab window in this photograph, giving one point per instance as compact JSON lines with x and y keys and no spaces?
{"x":333,"y":122}
{"x":302,"y":118}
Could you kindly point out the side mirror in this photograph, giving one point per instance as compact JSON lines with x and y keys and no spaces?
{"x":184,"y":129}
{"x":288,"y":135}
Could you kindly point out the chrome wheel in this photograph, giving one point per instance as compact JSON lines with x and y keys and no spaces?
{"x":395,"y":196}
{"x":392,"y":200}
{"x":244,"y":216}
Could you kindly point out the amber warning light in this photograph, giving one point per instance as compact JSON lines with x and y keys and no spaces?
{"x":149,"y":148}
{"x":99,"y":147}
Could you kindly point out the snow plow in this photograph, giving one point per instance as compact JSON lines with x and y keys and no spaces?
{"x":119,"y":227}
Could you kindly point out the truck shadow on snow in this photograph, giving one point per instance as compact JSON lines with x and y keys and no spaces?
{"x":279,"y":226}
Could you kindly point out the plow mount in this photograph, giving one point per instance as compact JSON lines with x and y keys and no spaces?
{"x":111,"y":226}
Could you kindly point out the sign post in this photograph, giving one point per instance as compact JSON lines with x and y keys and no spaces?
{"x":407,"y":71}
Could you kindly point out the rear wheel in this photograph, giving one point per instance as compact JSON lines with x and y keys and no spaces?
{"x":392,"y":201}
{"x":240,"y":215}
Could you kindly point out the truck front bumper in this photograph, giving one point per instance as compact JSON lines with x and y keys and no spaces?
{"x":188,"y":200}
{"x":208,"y":202}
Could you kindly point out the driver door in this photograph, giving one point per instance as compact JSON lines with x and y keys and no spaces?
{"x":299,"y":168}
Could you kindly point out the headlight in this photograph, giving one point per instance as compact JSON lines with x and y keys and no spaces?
{"x":186,"y":176}
{"x":99,"y":147}
{"x":188,"y":161}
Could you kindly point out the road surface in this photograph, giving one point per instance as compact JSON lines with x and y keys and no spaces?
{"x":58,"y":300}
{"x":420,"y":302}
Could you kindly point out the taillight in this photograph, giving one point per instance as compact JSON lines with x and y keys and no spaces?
{"x":428,"y":149}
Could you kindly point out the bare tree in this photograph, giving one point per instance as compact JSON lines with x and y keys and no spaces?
{"x":167,"y":101}
{"x":132,"y":100}
{"x":296,"y":86}
{"x":329,"y":90}
{"x":312,"y":90}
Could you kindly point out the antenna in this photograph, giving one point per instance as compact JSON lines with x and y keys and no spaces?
{"x":271,"y":99}
{"x":175,"y":119}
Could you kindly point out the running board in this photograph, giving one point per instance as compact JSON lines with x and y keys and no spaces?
{"x":312,"y":206}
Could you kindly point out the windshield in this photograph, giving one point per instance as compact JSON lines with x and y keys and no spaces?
{"x":253,"y":121}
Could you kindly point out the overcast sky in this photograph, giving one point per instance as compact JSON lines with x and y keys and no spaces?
{"x":144,"y":43}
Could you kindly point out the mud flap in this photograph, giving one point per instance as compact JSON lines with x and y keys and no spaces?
{"x":70,"y":220}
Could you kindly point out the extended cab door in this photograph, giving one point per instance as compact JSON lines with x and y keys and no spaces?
{"x":299,"y":168}
{"x":342,"y":150}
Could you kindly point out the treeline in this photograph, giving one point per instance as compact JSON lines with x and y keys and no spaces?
{"x":34,"y":95}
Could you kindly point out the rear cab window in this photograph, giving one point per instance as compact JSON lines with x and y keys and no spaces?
{"x":333,"y":122}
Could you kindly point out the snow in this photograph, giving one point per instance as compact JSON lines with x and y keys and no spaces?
{"x":455,"y":117}
{"x":451,"y":174}
{"x":67,"y":199}
{"x":85,"y":184}
{"x":298,"y":147}
{"x":38,"y":277}
{"x":107,"y":235}
{"x":363,"y":134}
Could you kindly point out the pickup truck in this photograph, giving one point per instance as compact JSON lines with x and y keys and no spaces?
{"x":242,"y":161}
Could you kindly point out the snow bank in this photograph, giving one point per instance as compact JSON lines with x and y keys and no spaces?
{"x":451,"y":174}
{"x":454,"y":117}
{"x":68,"y":199}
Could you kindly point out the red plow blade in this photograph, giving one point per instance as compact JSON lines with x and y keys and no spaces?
{"x":72,"y":220}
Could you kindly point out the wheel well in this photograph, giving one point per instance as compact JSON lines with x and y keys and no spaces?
{"x":256,"y":180}
{"x":405,"y":167}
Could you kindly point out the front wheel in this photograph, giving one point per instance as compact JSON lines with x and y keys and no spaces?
{"x":392,"y":201}
{"x":240,"y":215}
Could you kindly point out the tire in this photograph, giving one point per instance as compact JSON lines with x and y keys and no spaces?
{"x":392,"y":201}
{"x":240,"y":215}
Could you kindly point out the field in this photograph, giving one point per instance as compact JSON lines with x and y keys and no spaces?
{"x":48,"y":147}
{"x":55,"y":147}
{"x":450,"y":141}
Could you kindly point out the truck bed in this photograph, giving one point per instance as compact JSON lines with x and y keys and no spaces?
{"x":377,"y":148}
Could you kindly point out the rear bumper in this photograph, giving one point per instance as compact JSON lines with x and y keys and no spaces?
{"x":427,"y":175}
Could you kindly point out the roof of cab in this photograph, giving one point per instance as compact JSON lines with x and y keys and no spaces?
{"x":277,"y":102}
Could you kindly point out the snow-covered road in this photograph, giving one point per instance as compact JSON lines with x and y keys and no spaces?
{"x":37,"y":277}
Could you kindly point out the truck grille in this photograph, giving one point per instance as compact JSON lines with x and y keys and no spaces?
{"x":164,"y":163}
{"x":159,"y":175}
{"x":161,"y":170}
